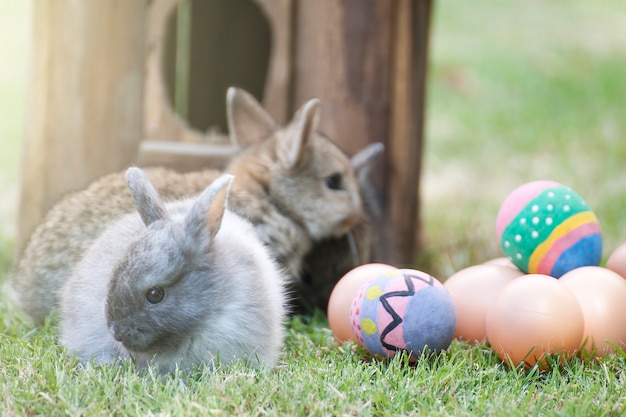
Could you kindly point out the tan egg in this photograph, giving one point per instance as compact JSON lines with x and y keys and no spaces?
{"x":617,"y":261}
{"x":601,"y":294}
{"x":532,"y":316}
{"x":473,"y":290}
{"x":504,"y":261}
{"x":344,"y":292}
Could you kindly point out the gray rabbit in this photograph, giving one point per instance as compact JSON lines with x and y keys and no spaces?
{"x":177,"y":285}
{"x":294,"y":185}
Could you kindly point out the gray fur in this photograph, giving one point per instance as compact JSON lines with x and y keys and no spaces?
{"x":224,"y":295}
{"x":279,"y":186}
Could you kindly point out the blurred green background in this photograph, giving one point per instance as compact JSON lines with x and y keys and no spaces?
{"x":521,"y":91}
{"x":517,"y":91}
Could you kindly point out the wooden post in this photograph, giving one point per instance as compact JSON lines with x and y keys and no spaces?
{"x":366,"y":61}
{"x":406,"y":135}
{"x":85,"y":100}
{"x":342,"y":56}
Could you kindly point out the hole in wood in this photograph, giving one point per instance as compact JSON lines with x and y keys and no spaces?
{"x":211,"y":45}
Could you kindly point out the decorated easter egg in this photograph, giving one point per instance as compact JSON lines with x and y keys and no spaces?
{"x":403,"y":310}
{"x":534,"y":316}
{"x":544,"y":227}
{"x":343,"y":293}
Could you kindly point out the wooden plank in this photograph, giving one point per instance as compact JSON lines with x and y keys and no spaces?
{"x":185,"y":156}
{"x":342,"y":57}
{"x":84,"y":114}
{"x":405,"y":145}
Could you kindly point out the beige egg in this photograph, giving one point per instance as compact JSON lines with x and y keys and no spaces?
{"x":504,"y":261}
{"x":617,"y":261}
{"x":344,"y":292}
{"x":473,"y":290}
{"x":601,"y":294}
{"x":533,"y":316}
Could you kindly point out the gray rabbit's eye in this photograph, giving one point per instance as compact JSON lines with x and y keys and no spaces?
{"x":155,"y":295}
{"x":334,"y":182}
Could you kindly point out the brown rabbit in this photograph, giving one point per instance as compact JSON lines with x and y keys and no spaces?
{"x":293,"y":184}
{"x":331,"y":258}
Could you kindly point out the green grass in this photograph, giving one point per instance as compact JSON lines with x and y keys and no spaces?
{"x":517,"y":91}
{"x":317,"y":378}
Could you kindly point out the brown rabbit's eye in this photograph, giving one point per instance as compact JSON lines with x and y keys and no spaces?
{"x":333,"y":182}
{"x":155,"y":295}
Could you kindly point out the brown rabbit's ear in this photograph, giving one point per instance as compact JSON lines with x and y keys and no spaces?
{"x":207,"y":212}
{"x":363,"y":161}
{"x":149,"y":205}
{"x":248,"y":122}
{"x":292,"y":144}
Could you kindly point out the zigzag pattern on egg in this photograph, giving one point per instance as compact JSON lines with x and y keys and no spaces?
{"x":403,"y":310}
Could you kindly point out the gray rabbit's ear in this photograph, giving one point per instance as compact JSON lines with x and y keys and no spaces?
{"x":207,"y":212}
{"x":363,"y":161}
{"x":149,"y":205}
{"x":248,"y":122}
{"x":292,"y":145}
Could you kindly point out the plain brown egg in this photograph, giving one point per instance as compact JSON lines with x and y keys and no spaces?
{"x":344,"y":292}
{"x":617,"y":261}
{"x":601,"y":294}
{"x":504,"y":261}
{"x":473,"y":290}
{"x":532,"y":316}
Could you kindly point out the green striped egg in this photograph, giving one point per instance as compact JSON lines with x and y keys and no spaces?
{"x":544,"y":227}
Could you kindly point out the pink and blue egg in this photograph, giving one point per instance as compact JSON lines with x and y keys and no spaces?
{"x":403,"y":310}
{"x":546,"y":228}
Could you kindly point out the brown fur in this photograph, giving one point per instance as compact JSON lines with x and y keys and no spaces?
{"x":280,"y":185}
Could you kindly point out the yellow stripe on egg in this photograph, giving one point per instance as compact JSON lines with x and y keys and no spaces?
{"x":561,"y":230}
